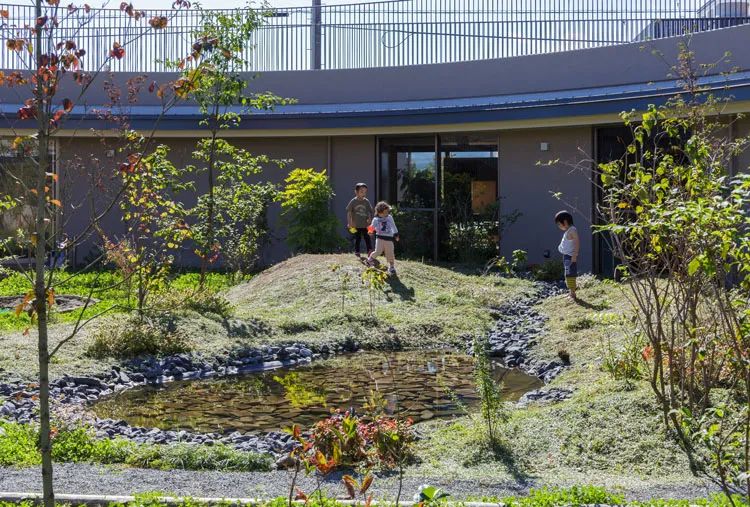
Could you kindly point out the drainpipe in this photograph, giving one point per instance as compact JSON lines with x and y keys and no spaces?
{"x":316,"y":36}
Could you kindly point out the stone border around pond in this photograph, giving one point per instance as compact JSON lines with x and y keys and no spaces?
{"x":511,"y":341}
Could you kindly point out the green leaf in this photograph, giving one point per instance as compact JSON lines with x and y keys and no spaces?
{"x":694,"y":266}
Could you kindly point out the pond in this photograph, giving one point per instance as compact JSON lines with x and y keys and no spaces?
{"x":422,"y":385}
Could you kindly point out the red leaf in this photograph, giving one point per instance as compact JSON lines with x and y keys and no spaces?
{"x":67,"y":105}
{"x":117,"y":51}
{"x":41,"y":21}
{"x":4,"y":13}
{"x":350,"y":485}
{"x":26,"y":113}
{"x":151,"y":87}
{"x":158,"y":22}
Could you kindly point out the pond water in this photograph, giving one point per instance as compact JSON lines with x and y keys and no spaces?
{"x":423,"y":385}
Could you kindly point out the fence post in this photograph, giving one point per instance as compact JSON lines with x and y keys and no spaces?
{"x":316,"y":36}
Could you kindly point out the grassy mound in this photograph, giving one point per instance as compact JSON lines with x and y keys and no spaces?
{"x":322,"y":298}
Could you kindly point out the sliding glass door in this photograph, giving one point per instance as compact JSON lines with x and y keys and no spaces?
{"x":408,"y":181}
{"x":445,"y":188}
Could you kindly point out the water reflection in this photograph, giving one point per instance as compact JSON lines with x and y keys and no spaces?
{"x":422,"y":385}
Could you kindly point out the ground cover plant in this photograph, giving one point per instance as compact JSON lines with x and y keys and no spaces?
{"x":107,"y":289}
{"x":610,"y":432}
{"x":18,"y":447}
{"x":575,"y":496}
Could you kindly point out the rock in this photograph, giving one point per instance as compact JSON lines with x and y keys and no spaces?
{"x":552,"y":395}
{"x":88,"y":381}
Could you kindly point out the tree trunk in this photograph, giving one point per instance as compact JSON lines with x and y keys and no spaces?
{"x":40,"y":288}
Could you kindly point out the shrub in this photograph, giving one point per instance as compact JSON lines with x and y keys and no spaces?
{"x":676,"y":214}
{"x":138,"y":336}
{"x":383,"y":440}
{"x":341,"y":433}
{"x":305,"y":209}
{"x":416,"y":233}
{"x":519,"y":260}
{"x":549,"y":271}
{"x":475,"y":240}
{"x":240,"y":220}
{"x":627,"y":363}
{"x":392,"y":440}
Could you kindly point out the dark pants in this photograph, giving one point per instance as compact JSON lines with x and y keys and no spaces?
{"x":362,"y":233}
{"x":571,"y":272}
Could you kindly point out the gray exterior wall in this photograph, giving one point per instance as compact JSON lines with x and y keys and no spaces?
{"x":350,"y":159}
{"x":528,"y":188}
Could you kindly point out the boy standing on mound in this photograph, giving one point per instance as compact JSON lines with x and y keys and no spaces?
{"x":386,"y":234}
{"x":358,"y":215}
{"x":569,"y":246}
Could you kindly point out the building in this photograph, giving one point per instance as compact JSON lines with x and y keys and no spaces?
{"x":421,"y":127}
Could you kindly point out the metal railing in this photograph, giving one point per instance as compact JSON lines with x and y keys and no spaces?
{"x":386,"y":33}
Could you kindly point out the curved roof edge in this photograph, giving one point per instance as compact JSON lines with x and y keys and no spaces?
{"x":583,"y":103}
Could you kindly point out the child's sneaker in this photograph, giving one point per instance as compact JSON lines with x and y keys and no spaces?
{"x":392,"y":271}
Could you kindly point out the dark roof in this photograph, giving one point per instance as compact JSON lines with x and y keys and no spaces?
{"x":563,"y":103}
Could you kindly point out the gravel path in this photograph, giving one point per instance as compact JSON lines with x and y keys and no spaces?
{"x":93,"y":479}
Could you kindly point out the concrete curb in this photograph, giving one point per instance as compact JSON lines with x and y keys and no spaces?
{"x":105,"y":500}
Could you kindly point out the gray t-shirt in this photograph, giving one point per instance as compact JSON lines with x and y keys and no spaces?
{"x":361,"y":211}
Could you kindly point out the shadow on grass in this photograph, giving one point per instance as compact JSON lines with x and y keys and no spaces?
{"x":401,"y":290}
{"x":500,"y":453}
{"x":591,"y":306}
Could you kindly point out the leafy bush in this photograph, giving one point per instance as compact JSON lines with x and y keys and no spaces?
{"x":341,"y":434}
{"x":305,"y":209}
{"x":391,"y":439}
{"x":138,"y":336}
{"x":383,"y":441}
{"x":519,"y":260}
{"x":676,"y":214}
{"x":549,"y":271}
{"x":628,"y":362}
{"x":415,"y":232}
{"x":471,"y":241}
{"x":18,"y":447}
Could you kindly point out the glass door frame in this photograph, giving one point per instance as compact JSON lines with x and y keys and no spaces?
{"x":438,"y":148}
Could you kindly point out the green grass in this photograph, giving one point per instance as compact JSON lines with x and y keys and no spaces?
{"x":104,"y":286}
{"x":18,"y":448}
{"x":609,"y":433}
{"x":427,"y":305}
